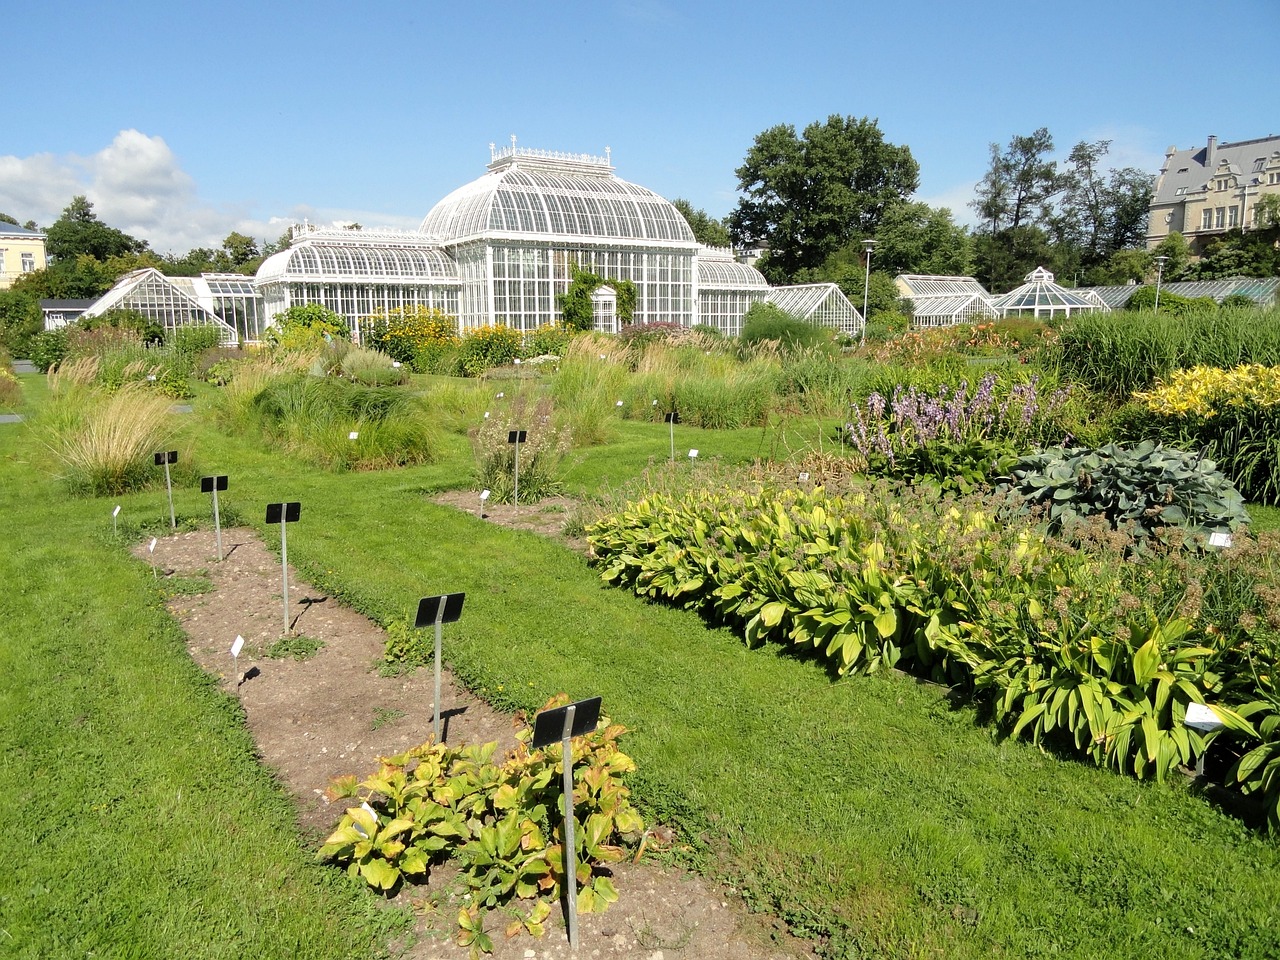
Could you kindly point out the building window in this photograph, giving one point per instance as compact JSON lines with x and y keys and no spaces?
{"x":1273,"y":178}
{"x":28,"y":262}
{"x":1206,"y":219}
{"x":1233,"y":216}
{"x":1219,"y":217}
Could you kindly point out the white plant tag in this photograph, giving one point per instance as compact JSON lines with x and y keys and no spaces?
{"x":116,"y":511}
{"x":618,"y":404}
{"x":396,"y":364}
{"x":237,"y":645}
{"x":654,"y":404}
{"x":517,"y":361}
{"x":804,"y":477}
{"x":693,"y":454}
{"x":1219,"y":540}
{"x":486,"y":414}
{"x":484,"y":494}
{"x":353,"y":435}
{"x":152,"y":548}
{"x":502,"y":394}
{"x":1201,"y":717}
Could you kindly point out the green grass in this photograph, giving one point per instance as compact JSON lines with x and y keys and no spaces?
{"x":869,"y":811}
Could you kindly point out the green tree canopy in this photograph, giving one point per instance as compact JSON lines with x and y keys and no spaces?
{"x":1019,"y":184}
{"x":79,"y":231}
{"x":918,"y":238}
{"x":807,"y":196}
{"x":706,"y":229}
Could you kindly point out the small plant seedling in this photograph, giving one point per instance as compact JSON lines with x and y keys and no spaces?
{"x":385,"y":715}
{"x":296,"y":647}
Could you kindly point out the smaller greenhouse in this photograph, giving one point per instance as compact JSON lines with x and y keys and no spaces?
{"x":170,"y":301}
{"x":822,"y":303}
{"x":1261,"y":291}
{"x":1040,"y":296}
{"x":726,"y":289}
{"x":945,"y":301}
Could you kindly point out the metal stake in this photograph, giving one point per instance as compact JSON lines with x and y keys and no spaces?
{"x":217,"y":521}
{"x":435,"y":720}
{"x":284,"y":569}
{"x":516,"y":495}
{"x":672,"y":424}
{"x":570,"y":848}
{"x":173,"y":521}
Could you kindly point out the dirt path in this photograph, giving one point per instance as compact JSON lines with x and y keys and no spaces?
{"x":333,"y":714}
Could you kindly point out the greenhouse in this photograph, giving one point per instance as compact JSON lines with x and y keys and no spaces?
{"x":518,"y":233}
{"x":945,"y":301}
{"x":357,"y":273}
{"x":172,"y":302}
{"x":1261,"y":291}
{"x":822,"y":303}
{"x":1040,"y":296}
{"x":726,"y":289}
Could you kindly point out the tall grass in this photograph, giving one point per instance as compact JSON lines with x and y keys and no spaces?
{"x":104,"y":442}
{"x":341,"y":425}
{"x":1118,"y":353}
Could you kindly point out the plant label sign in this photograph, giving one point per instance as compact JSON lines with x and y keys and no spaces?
{"x":693,"y":454}
{"x":501,"y":394}
{"x":486,"y":414}
{"x":353,"y":435}
{"x":116,"y":511}
{"x":1218,"y":540}
{"x":548,"y":726}
{"x":167,"y":456}
{"x":152,"y":548}
{"x":1201,"y":717}
{"x":484,"y":495}
{"x":237,"y":645}
{"x":618,"y":404}
{"x":517,"y":436}
{"x":284,"y":512}
{"x":804,"y":477}
{"x":672,"y":417}
{"x":435,"y":611}
{"x":211,"y":484}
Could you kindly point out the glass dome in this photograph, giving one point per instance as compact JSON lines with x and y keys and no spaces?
{"x":539,"y":193}
{"x":1041,"y":296}
{"x":351,"y":257}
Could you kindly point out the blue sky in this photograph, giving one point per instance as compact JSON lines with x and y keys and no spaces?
{"x":182,"y":121}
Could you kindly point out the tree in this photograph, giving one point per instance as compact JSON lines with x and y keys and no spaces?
{"x":5,"y":218}
{"x":918,"y":238}
{"x":706,"y":229}
{"x":1102,"y":214}
{"x":1020,"y":183}
{"x":240,"y":250}
{"x":79,"y":231}
{"x":808,"y":196}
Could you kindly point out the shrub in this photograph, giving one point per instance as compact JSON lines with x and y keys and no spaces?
{"x":1147,"y":488}
{"x":372,"y":369}
{"x":306,"y":326}
{"x":764,"y":321}
{"x":48,"y":349}
{"x":497,"y":821}
{"x":550,"y":339}
{"x":419,"y":336}
{"x":105,"y":442}
{"x":886,"y":325}
{"x":487,"y":347}
{"x":540,"y":455}
{"x":144,"y":328}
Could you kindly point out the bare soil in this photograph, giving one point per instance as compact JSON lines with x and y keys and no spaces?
{"x":333,"y":714}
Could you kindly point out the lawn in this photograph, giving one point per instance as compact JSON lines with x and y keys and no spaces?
{"x":867,"y":811}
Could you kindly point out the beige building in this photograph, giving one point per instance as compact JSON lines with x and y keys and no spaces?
{"x":1205,"y":191}
{"x":21,"y":251}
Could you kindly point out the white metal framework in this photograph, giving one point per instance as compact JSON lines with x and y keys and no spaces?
{"x":726,"y":289}
{"x":821,"y":303}
{"x":1261,"y":291}
{"x":1040,"y":296}
{"x":170,"y":301}
{"x":944,"y":301}
{"x":518,"y":233}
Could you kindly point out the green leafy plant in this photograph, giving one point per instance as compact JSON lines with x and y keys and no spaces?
{"x":497,"y":820}
{"x":295,"y":646}
{"x":541,"y":454}
{"x":416,"y":335}
{"x":486,"y":347}
{"x":406,"y":648}
{"x":1148,"y":486}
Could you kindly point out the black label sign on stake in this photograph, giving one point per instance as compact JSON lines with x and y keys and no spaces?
{"x":283,"y":514}
{"x":213,"y":485}
{"x":517,"y":436}
{"x":167,"y":456}
{"x":163,"y":459}
{"x":563,"y":724}
{"x":210,"y":484}
{"x":434,"y":611}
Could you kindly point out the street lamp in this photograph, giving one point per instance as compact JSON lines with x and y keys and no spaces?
{"x":867,"y":245}
{"x":1159,"y":276}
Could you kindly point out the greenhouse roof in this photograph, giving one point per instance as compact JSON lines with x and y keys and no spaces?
{"x":915,"y":285}
{"x":804,"y":299}
{"x":718,"y":270}
{"x":1041,"y":295}
{"x":1261,"y":290}
{"x":957,"y":306}
{"x":351,"y":256}
{"x":537,"y":194}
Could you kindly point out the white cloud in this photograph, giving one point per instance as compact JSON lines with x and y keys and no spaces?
{"x":956,"y":199}
{"x":137,"y":185}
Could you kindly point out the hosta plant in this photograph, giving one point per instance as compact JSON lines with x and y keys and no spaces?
{"x":501,"y":822}
{"x":1148,"y":486}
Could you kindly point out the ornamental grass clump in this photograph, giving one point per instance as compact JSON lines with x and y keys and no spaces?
{"x":1231,"y":416}
{"x":541,"y":454}
{"x":314,"y":418}
{"x":104,"y":442}
{"x":10,"y":390}
{"x":952,"y":439}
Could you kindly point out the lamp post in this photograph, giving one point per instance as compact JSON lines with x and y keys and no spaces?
{"x":867,"y":245}
{"x":1159,"y":276}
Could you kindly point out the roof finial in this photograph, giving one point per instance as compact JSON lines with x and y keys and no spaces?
{"x":608,"y":154}
{"x":492,"y":150}
{"x":513,"y":143}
